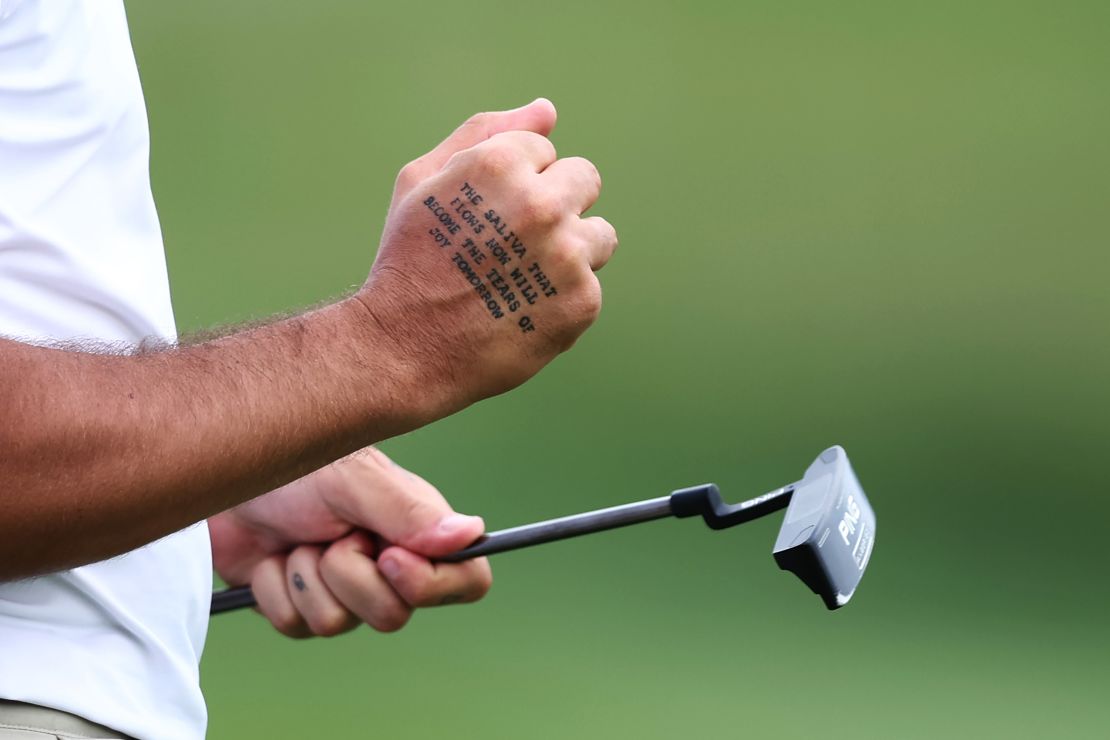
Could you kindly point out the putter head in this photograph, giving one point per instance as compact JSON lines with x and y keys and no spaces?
{"x":829,"y":529}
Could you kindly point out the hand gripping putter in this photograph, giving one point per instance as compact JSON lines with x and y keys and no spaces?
{"x":825,"y":539}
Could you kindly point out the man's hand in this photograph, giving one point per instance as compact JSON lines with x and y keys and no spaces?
{"x":349,"y":544}
{"x":485,"y":273}
{"x":486,"y":267}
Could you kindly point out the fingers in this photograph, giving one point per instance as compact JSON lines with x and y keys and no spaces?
{"x":374,"y":494}
{"x":317,"y":591}
{"x":356,"y":580}
{"x":273,"y":599}
{"x":331,"y":592}
{"x":509,"y":152}
{"x":422,"y":583}
{"x":327,"y":591}
{"x":384,"y":593}
{"x":570,"y":186}
{"x":577,"y":182}
{"x":538,"y":117}
{"x":318,"y":606}
{"x":290,"y":593}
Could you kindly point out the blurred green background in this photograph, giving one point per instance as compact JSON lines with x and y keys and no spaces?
{"x":882,"y":225}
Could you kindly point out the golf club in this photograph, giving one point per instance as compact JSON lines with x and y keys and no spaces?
{"x":826,"y":538}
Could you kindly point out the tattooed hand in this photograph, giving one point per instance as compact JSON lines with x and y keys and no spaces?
{"x":486,"y":266}
{"x":346,"y":545}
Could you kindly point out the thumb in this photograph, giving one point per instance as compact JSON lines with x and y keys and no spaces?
{"x":538,"y":117}
{"x":373,"y":493}
{"x":446,"y":535}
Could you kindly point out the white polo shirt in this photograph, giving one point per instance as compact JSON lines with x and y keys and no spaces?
{"x":81,"y":257}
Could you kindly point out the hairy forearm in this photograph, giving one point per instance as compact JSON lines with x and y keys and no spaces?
{"x":102,"y":453}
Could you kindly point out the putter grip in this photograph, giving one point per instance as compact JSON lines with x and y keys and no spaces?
{"x":513,"y":539}
{"x":232,"y":598}
{"x":242,"y":597}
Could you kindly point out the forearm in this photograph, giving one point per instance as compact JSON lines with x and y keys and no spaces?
{"x":103,"y":453}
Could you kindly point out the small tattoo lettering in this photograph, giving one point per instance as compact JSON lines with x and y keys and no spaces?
{"x":487,"y":262}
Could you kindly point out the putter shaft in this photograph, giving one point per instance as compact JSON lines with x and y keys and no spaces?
{"x":563,"y":528}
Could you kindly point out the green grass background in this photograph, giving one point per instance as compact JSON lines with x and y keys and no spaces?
{"x":883,"y":225}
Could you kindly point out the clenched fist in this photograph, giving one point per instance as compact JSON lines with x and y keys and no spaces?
{"x":486,"y":267}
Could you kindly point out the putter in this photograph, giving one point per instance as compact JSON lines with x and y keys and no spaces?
{"x":826,"y":538}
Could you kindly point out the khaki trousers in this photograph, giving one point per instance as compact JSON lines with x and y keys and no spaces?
{"x":19,"y":721}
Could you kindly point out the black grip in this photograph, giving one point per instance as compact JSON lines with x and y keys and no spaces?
{"x":231,"y":599}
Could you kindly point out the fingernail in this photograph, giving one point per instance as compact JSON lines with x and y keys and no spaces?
{"x":453,"y":523}
{"x":390,"y":567}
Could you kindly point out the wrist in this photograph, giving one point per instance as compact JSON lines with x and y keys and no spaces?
{"x":408,"y":370}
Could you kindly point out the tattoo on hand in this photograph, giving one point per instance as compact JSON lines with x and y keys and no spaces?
{"x":298,"y":582}
{"x":450,"y":599}
{"x":494,"y":263}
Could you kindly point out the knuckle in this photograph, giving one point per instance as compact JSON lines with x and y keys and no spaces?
{"x":541,"y":208}
{"x":563,"y":257}
{"x":483,"y":581}
{"x":497,"y":161}
{"x":541,"y":142}
{"x":329,"y":623}
{"x":410,"y":174}
{"x":459,"y":160}
{"x":331,"y":562}
{"x":357,"y":542}
{"x":289,"y":624}
{"x":414,"y":591}
{"x":591,"y":300}
{"x":479,"y":121}
{"x":607,"y":231}
{"x":590,"y":171}
{"x":390,"y":619}
{"x":606,"y":240}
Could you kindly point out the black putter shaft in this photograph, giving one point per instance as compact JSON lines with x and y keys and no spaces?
{"x":704,"y":501}
{"x":563,"y":528}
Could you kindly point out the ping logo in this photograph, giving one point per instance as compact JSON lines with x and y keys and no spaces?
{"x":850,"y":520}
